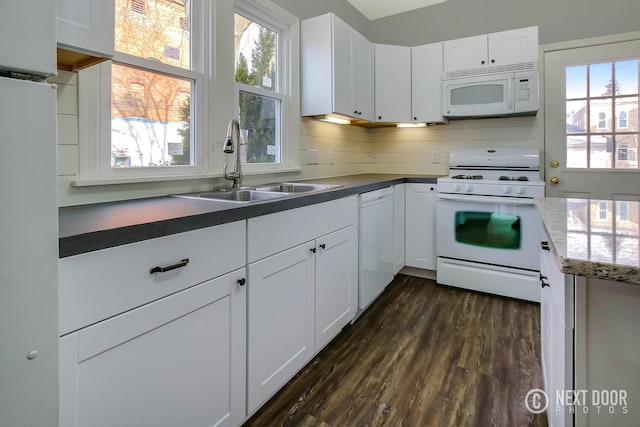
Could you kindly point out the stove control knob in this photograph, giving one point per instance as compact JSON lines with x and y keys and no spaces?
{"x":469,"y":188}
{"x":457,"y":187}
{"x":506,"y":189}
{"x":521,"y":190}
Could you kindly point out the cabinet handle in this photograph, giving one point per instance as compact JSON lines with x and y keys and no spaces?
{"x":158,"y":269}
{"x":482,"y":62}
{"x":313,"y":250}
{"x":543,"y":281}
{"x":415,"y":118}
{"x":242,"y":281}
{"x":544,"y":245}
{"x":493,"y":61}
{"x":322,"y":246}
{"x":379,"y":117}
{"x":355,"y":111}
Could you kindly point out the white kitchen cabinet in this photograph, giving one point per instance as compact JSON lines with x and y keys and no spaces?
{"x":336,"y":69}
{"x":491,"y":52}
{"x":175,"y":361}
{"x":426,"y":83}
{"x":556,"y":328}
{"x":399,"y":193}
{"x":302,"y":289}
{"x":420,"y":240}
{"x":154,"y":332}
{"x":86,"y":26}
{"x":392,"y":77}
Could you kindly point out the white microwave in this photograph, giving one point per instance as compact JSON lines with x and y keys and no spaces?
{"x":494,"y":95}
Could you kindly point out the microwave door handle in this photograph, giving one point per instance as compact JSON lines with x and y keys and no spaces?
{"x":468,"y":198}
{"x":511,"y":94}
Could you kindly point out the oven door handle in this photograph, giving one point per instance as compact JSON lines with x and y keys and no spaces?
{"x":469,"y":198}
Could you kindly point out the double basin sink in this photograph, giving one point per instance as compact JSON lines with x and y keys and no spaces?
{"x":259,"y":193}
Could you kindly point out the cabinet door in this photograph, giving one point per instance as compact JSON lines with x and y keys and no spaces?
{"x":362,"y":76}
{"x":426,"y":83}
{"x":336,"y":283}
{"x":86,"y":25}
{"x":177,"y":361}
{"x":465,"y":54}
{"x":343,"y":101}
{"x":280,"y":320}
{"x":392,"y":83}
{"x":420,"y":240}
{"x":513,"y":47}
{"x":399,"y":198}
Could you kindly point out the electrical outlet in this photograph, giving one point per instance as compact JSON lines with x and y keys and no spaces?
{"x":435,"y":157}
{"x":312,"y":157}
{"x":331,"y":157}
{"x":373,"y":157}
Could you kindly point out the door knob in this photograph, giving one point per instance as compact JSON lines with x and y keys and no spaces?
{"x":554,"y":163}
{"x":554,"y":180}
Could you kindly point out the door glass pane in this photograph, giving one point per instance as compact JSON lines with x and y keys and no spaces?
{"x":626,"y":111}
{"x":255,"y":54}
{"x":576,"y":117}
{"x":600,"y":79}
{"x":260,"y":118}
{"x":486,"y":229}
{"x":600,"y":114}
{"x":155,"y":29}
{"x":576,"y":151}
{"x":576,"y":82}
{"x":601,"y":150}
{"x":627,"y":77}
{"x":150,"y":119}
{"x":626,"y":151}
{"x":480,"y":94}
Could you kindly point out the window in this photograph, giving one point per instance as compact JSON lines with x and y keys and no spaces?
{"x":602,"y":115}
{"x":623,"y":211}
{"x":603,"y":210}
{"x":260,"y":87}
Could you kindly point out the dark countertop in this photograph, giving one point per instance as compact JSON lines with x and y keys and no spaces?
{"x":93,"y":227}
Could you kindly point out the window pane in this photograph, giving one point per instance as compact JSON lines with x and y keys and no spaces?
{"x":576,"y":82}
{"x":600,"y":79}
{"x":626,"y":151}
{"x":150,"y":119}
{"x":627,"y":77}
{"x":577,"y":117}
{"x":260,"y":116}
{"x":155,"y":29}
{"x":627,"y":113}
{"x":576,"y":151}
{"x":255,"y":54}
{"x":601,"y":149}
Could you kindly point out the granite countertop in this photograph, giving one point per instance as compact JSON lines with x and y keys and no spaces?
{"x":93,"y":227}
{"x":594,"y":238}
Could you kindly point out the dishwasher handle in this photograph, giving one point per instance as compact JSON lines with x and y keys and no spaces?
{"x":376,"y":195}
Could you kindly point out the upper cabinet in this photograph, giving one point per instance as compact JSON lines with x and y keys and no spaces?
{"x":336,"y":69}
{"x":491,"y":52}
{"x":426,"y":87}
{"x":392,"y":83}
{"x":85,"y":32}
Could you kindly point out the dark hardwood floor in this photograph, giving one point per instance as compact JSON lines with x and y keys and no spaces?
{"x":422,"y":355}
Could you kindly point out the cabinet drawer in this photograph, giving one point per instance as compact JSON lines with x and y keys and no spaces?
{"x":101,"y":284}
{"x":273,"y":233}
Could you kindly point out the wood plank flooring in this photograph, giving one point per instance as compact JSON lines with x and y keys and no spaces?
{"x":422,"y":355}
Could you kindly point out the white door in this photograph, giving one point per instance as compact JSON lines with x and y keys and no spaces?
{"x":426,"y":83}
{"x":420,"y":238}
{"x":281,"y":320}
{"x":336,"y":283}
{"x":392,"y":75}
{"x":362,"y":76}
{"x":591,"y":122}
{"x":176,"y":361}
{"x":342,"y":68}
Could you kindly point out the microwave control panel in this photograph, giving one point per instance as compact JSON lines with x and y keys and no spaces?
{"x":526,"y":92}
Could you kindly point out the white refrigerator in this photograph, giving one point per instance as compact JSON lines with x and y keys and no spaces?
{"x":29,"y":227}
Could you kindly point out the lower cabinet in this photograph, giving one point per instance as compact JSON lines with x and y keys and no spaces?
{"x":175,"y":361}
{"x":420,"y":240}
{"x":301,"y":297}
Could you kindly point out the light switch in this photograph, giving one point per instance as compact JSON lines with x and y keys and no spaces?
{"x":312,"y":157}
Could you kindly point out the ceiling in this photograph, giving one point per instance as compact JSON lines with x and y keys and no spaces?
{"x":374,"y":9}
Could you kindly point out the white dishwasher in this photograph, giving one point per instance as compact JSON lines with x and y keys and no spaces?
{"x":376,"y":253}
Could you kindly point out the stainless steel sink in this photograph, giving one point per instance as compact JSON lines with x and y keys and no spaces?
{"x":295,"y":187}
{"x":237,"y":196}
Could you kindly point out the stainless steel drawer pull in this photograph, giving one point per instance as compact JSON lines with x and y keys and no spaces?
{"x":158,"y":269}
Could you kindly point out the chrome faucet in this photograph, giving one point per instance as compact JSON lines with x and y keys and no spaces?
{"x":229,"y":146}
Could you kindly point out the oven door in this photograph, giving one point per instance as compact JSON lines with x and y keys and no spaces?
{"x":493,"y":230}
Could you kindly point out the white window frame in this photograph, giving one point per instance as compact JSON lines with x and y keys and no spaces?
{"x":94,"y":106}
{"x":286,"y":25}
